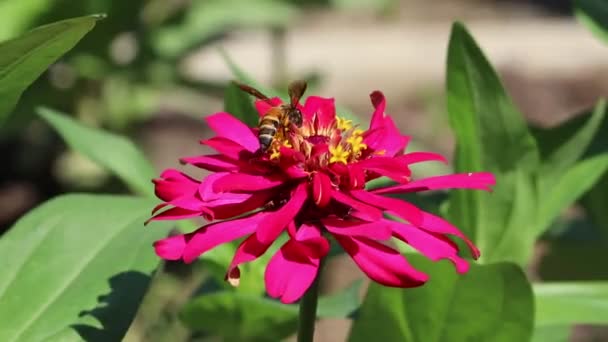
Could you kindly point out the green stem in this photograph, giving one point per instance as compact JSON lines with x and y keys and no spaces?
{"x":308,"y":311}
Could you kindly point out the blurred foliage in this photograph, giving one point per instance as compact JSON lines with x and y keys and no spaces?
{"x":594,"y":15}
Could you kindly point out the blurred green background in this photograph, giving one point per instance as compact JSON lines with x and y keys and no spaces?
{"x":152,"y":69}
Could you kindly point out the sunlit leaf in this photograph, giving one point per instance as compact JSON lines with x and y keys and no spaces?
{"x":571,"y":303}
{"x":490,"y":303}
{"x":23,"y":59}
{"x":76,"y":268}
{"x":108,"y":150}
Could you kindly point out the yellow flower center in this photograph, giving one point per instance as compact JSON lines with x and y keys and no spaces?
{"x":338,"y":155}
{"x":356,"y":142}
{"x":343,"y":124}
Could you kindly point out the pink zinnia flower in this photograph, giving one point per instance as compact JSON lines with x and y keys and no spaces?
{"x":311,"y":184}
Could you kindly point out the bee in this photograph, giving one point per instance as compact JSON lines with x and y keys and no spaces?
{"x":278,"y":117}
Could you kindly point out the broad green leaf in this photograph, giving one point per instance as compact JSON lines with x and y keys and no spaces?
{"x":76,"y":268}
{"x":508,"y":219}
{"x":563,"y":303}
{"x":108,"y":150}
{"x":594,"y":15}
{"x":240,"y":104}
{"x":239,"y":316}
{"x":489,"y":303}
{"x":491,"y":133}
{"x":23,"y":59}
{"x":569,"y":151}
{"x":568,"y":187}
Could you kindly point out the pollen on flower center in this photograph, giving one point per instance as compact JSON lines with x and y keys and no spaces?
{"x":338,"y":155}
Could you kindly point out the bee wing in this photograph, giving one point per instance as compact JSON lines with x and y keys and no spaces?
{"x":252,"y":91}
{"x":296,"y":89}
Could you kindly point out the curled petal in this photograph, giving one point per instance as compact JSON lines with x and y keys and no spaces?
{"x":174,"y":184}
{"x":402,"y":209}
{"x":243,"y":182}
{"x":250,"y":249}
{"x":436,"y":224}
{"x":264,"y":106}
{"x":214,"y":234}
{"x":321,"y":189}
{"x":474,"y":180}
{"x":433,"y":246}
{"x":228,"y":210}
{"x":379,"y":230}
{"x":294,"y":267}
{"x":272,"y":226}
{"x":229,"y":127}
{"x":370,"y":212}
{"x":381,"y":263}
{"x":383,"y":134}
{"x":171,"y":248}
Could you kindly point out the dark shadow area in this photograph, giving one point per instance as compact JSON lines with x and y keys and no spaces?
{"x":117,"y":309}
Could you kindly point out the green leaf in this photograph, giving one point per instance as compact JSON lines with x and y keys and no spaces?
{"x":482,"y":115}
{"x":491,"y":133}
{"x":240,"y":317}
{"x":489,"y":303}
{"x":342,"y":304}
{"x":572,"y":149}
{"x":551,"y":333}
{"x":563,"y":303}
{"x":240,"y":104}
{"x":507,"y":217}
{"x":76,"y":268}
{"x":23,"y":59}
{"x":205,"y":19}
{"x":108,"y":150}
{"x":568,"y":187}
{"x":594,"y":15}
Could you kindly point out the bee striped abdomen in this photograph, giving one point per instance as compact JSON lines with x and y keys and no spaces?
{"x":269,"y":125}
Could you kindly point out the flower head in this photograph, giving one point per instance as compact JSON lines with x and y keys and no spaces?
{"x":311,"y":185}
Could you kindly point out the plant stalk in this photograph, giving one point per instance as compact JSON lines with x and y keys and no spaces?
{"x":308,"y":311}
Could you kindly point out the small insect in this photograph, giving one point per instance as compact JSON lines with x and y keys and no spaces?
{"x":278,"y":117}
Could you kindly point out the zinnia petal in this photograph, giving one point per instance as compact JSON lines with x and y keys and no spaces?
{"x":321,"y":189}
{"x":215,"y":163}
{"x":273,"y":224}
{"x":475,"y":180}
{"x":434,"y":247}
{"x":438,"y":225}
{"x":293,"y":268}
{"x":402,"y":209}
{"x":323,"y":108}
{"x":229,"y":127}
{"x":214,"y":234}
{"x":378,"y":230}
{"x":243,"y":182}
{"x":171,"y":248}
{"x":173,"y":184}
{"x":249,"y":250}
{"x":372,"y":213}
{"x":381,"y":263}
{"x":228,"y":148}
